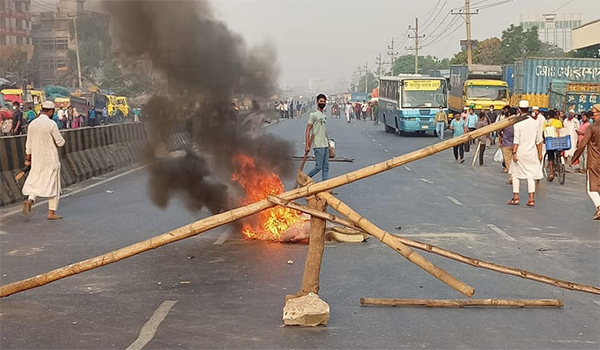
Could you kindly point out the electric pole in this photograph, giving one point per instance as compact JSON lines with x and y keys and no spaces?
{"x":392,"y":55}
{"x":467,"y":12}
{"x":366,"y":76}
{"x":77,"y":50}
{"x":416,"y":47}
{"x":380,"y":63}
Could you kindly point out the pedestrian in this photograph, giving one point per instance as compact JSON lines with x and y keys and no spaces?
{"x":571,"y":125}
{"x":458,"y":129}
{"x":92,"y":116}
{"x":591,"y":139}
{"x":348,"y":111}
{"x":505,"y":138}
{"x":7,"y":122}
{"x":74,"y":118}
{"x":482,"y":122}
{"x":316,"y":137}
{"x":105,"y":116}
{"x":357,"y":111}
{"x":62,"y":118}
{"x":492,"y":116}
{"x":376,"y":112}
{"x":464,"y":114}
{"x":291,"y":109}
{"x":286,"y":109}
{"x":527,"y":155}
{"x":281,"y":110}
{"x":17,"y":119}
{"x":298,"y":109}
{"x":41,"y":154}
{"x":470,"y":123}
{"x":136,"y":114}
{"x":551,"y":129}
{"x":441,"y":122}
{"x":585,"y":123}
{"x":364,"y":107}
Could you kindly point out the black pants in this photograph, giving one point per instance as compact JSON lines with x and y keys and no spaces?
{"x":481,"y":150}
{"x":459,"y":150}
{"x":92,"y":121}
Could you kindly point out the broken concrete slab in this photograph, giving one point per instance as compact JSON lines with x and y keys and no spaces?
{"x":306,"y":311}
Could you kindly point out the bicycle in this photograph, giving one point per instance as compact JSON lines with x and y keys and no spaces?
{"x":559,"y":145}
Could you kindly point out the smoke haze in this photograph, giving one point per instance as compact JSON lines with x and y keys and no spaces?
{"x":205,"y":65}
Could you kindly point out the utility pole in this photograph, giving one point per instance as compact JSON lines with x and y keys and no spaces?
{"x":380,"y":63}
{"x":392,"y":55}
{"x":77,"y":51}
{"x":467,"y":12}
{"x":366,"y":77}
{"x":416,"y":47}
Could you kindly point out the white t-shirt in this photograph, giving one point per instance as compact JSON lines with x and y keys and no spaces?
{"x":60,"y":114}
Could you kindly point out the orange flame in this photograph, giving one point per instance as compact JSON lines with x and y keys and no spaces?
{"x":258,"y":184}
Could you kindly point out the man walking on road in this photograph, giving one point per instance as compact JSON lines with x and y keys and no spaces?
{"x":316,"y":136}
{"x":458,"y":129}
{"x":348,"y":111}
{"x":492,"y":116}
{"x":441,"y":123}
{"x":17,"y":119}
{"x":527,"y":155}
{"x":571,"y":125}
{"x":42,"y":155}
{"x":591,"y":139}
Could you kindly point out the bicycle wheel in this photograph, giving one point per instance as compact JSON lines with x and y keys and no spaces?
{"x":560,"y":167}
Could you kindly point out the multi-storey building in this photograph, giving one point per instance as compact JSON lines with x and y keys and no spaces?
{"x":15,"y":27}
{"x":553,"y":29}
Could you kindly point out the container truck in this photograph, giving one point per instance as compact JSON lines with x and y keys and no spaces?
{"x":477,"y":86}
{"x":568,"y":81}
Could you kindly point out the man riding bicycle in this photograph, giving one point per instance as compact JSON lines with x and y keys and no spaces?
{"x":553,"y":124}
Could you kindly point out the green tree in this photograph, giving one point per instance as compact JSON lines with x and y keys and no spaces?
{"x":405,"y":64}
{"x":371,"y":83}
{"x":488,"y":52}
{"x":18,"y":68}
{"x":519,"y":43}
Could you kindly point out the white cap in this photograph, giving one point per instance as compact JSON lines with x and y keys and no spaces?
{"x":571,"y":111}
{"x":535,"y":108}
{"x":523,"y":104}
{"x":48,"y":105}
{"x":466,"y":108}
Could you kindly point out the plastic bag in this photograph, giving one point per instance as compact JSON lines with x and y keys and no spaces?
{"x":498,"y":157}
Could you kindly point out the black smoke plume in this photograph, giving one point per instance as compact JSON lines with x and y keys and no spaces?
{"x":204,"y":65}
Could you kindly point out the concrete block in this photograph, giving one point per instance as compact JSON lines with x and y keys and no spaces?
{"x":306,"y":311}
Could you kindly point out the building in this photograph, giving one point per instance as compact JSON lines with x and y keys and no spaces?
{"x":587,"y":37}
{"x":15,"y":27}
{"x":555,"y":29}
{"x":53,"y":36}
{"x":315,"y":85}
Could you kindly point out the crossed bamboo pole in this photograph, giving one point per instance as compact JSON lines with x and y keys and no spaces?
{"x":221,"y":219}
{"x":444,"y":252}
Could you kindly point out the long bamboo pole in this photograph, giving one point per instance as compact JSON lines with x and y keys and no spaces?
{"x":446,"y":253}
{"x":316,"y":247}
{"x":390,"y":241}
{"x":464,"y":302}
{"x":217,"y":220}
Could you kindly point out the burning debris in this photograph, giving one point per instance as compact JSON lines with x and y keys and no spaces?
{"x":204,"y":65}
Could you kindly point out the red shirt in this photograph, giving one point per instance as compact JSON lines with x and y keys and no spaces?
{"x":582,"y":128}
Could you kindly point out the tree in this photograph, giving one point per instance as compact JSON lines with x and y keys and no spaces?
{"x":405,"y":64}
{"x":488,"y":52}
{"x":18,"y":68}
{"x":372,"y":83}
{"x":519,"y":43}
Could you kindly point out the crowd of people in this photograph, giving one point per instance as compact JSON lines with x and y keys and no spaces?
{"x":16,"y":120}
{"x":522,"y":146}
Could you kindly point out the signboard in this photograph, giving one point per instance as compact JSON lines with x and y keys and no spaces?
{"x":583,"y":87}
{"x":581,"y":101}
{"x":428,"y":85}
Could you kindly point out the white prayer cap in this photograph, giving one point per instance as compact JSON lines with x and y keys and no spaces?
{"x":523,"y":104}
{"x":466,"y":108}
{"x":48,"y":105}
{"x":571,"y":111}
{"x":535,"y":108}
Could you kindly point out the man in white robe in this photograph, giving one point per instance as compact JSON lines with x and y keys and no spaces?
{"x":541,"y":120}
{"x":527,"y":155}
{"x":41,"y":154}
{"x":571,"y":125}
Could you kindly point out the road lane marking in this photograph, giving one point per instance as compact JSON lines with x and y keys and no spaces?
{"x":66,"y":195}
{"x":501,"y":233}
{"x":597,"y":302}
{"x":454,"y":200}
{"x":224,"y":236}
{"x":407,"y":168}
{"x":149,"y":329}
{"x":425,"y":180}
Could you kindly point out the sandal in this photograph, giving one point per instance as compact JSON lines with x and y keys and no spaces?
{"x":513,"y":202}
{"x":550,"y":178}
{"x":530,"y":203}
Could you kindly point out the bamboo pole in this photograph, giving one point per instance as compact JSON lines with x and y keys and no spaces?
{"x":448,"y":253}
{"x":464,"y":302}
{"x":390,"y":241}
{"x":316,"y":246}
{"x":221,"y":219}
{"x":476,"y":153}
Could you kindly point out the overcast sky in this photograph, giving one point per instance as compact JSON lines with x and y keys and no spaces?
{"x":328,"y":39}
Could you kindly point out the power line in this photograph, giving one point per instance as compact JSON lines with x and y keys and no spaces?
{"x":436,"y":16}
{"x":493,"y":5}
{"x":565,"y":4}
{"x":445,"y":36}
{"x":432,"y":12}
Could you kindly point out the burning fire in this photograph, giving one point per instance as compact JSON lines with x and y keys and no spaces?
{"x":258,"y":184}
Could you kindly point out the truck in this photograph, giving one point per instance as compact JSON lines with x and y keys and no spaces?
{"x":477,"y":86}
{"x":36,"y":97}
{"x":539,"y":79}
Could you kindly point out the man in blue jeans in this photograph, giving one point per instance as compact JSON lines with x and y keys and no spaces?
{"x":316,"y":136}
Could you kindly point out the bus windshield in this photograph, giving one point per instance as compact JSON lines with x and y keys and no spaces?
{"x":487,"y":92}
{"x":424,"y":94}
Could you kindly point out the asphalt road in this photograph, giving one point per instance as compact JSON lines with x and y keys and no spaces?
{"x":231,"y":294}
